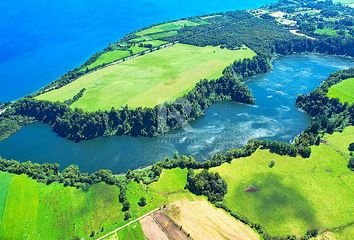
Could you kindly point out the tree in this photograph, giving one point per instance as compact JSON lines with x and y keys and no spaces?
{"x":127,"y":215}
{"x":142,"y":202}
{"x":272,"y":163}
{"x":126,"y":206}
{"x":351,"y":147}
{"x":351,"y":164}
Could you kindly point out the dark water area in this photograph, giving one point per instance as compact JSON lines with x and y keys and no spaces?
{"x":225,"y":125}
{"x":41,"y":40}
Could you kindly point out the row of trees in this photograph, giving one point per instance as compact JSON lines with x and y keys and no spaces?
{"x":49,"y":172}
{"x":77,"y":125}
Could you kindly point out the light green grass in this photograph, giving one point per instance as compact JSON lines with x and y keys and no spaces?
{"x":326,"y":31}
{"x":167,"y":27}
{"x":109,"y":57}
{"x":132,"y":232}
{"x":296,"y":194}
{"x":149,"y":80}
{"x":33,"y":210}
{"x":343,"y":90}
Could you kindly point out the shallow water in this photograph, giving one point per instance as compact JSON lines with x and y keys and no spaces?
{"x":225,"y":125}
{"x":41,"y":40}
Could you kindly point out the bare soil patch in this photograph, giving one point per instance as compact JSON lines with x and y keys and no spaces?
{"x":172,"y":230}
{"x":152,"y":230}
{"x":204,"y":221}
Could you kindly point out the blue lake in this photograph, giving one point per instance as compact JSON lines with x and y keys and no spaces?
{"x":41,"y":40}
{"x":225,"y":125}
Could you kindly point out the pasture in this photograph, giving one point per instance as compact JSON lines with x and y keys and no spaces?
{"x":32,"y":210}
{"x":148,"y":80}
{"x":343,"y":90}
{"x":170,"y":26}
{"x":296,"y":194}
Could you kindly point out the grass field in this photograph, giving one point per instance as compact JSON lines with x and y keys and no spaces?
{"x":30,"y":210}
{"x":148,"y":80}
{"x":165,"y":27}
{"x":109,"y":57}
{"x":296,"y":194}
{"x":343,"y":90}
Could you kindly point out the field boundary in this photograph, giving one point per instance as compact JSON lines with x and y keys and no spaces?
{"x":127,"y":224}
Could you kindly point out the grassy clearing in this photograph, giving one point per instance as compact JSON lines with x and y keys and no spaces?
{"x":296,"y":194}
{"x":165,"y":27}
{"x":326,"y":31}
{"x":152,"y":79}
{"x":31,"y":210}
{"x":343,"y":90}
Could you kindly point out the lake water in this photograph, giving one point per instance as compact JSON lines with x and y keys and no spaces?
{"x":225,"y":125}
{"x":41,"y":40}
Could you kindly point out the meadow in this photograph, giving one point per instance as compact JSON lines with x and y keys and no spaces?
{"x":343,"y":90}
{"x":170,"y":26}
{"x":296,"y":194}
{"x":148,"y":80}
{"x":32,"y":210}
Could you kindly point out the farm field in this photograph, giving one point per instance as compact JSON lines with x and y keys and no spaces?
{"x":204,"y":221}
{"x":33,"y":210}
{"x":343,"y":90}
{"x":296,"y":194}
{"x":149,"y":80}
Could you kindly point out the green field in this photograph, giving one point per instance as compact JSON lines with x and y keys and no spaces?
{"x":343,"y":90}
{"x":31,"y":210}
{"x":296,"y":194}
{"x":109,"y":57}
{"x":149,"y":80}
{"x":165,"y":27}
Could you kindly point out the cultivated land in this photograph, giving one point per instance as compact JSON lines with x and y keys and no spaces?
{"x":343,"y":90}
{"x":149,"y":80}
{"x":204,"y":221}
{"x":296,"y":194}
